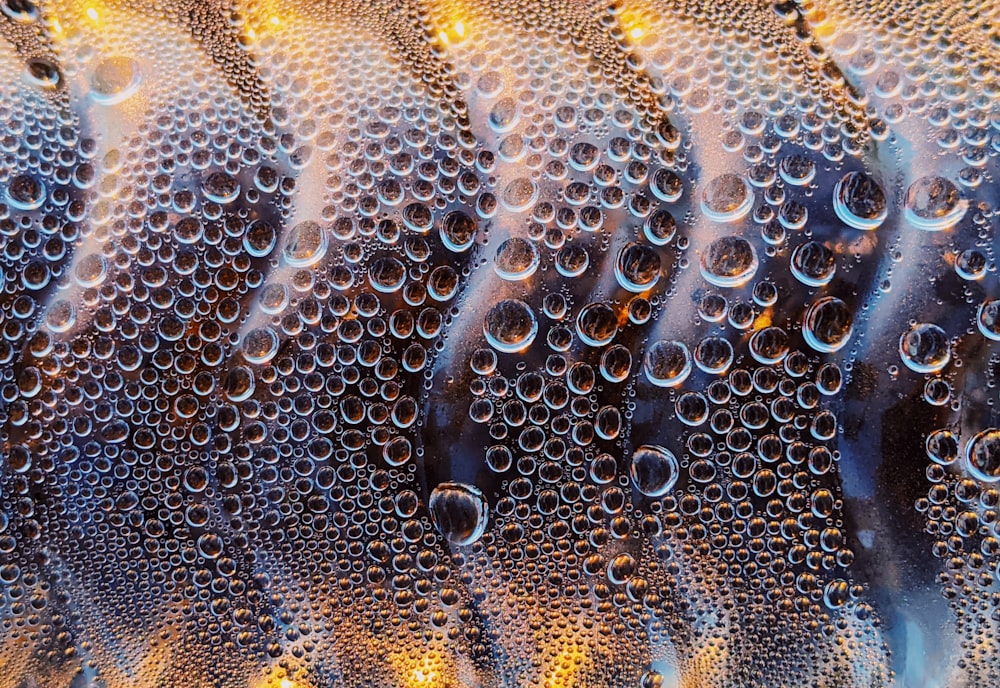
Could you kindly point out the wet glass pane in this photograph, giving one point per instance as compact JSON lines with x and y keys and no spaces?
{"x":482,"y":344}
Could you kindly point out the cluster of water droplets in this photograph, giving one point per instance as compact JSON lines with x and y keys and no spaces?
{"x":488,"y":344}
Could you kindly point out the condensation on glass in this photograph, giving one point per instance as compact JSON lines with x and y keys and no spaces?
{"x":460,"y":343}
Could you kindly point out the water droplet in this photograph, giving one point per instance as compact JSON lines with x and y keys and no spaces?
{"x":727,"y":198}
{"x":459,"y":512}
{"x":924,"y":348}
{"x":859,"y":201}
{"x":827,"y":324}
{"x":982,"y":455}
{"x":510,"y":326}
{"x":934,"y":204}
{"x":654,"y":470}
{"x":667,"y":363}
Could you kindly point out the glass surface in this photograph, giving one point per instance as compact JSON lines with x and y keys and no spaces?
{"x":474,"y":344}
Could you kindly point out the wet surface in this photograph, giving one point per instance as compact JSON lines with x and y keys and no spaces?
{"x":456,"y":343}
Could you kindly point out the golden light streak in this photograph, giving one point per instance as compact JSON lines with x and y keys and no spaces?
{"x":454,"y":32}
{"x":424,"y":674}
{"x":634,"y":25}
{"x":563,"y":669}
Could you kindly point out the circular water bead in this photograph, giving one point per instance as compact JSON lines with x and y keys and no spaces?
{"x":597,"y":324}
{"x":616,"y":363}
{"x":813,"y":264}
{"x":483,"y":361}
{"x":22,"y":11}
{"x":637,"y":268}
{"x":442,"y":283}
{"x":458,"y":231}
{"x":499,"y":458}
{"x":937,"y":392}
{"x":90,"y":270}
{"x":765,"y":294}
{"x":273,"y":298}
{"x":667,"y":134}
{"x":729,"y":261}
{"x":584,"y":156}
{"x":713,"y":307}
{"x":306,"y":245}
{"x":221,"y":187}
{"x":266,"y":179}
{"x":654,"y":470}
{"x":386,"y":274}
{"x":481,"y":410}
{"x":971,"y":264}
{"x":988,"y":319}
{"x":43,"y":73}
{"x":607,"y":422}
{"x":741,"y":315}
{"x":924,"y":348}
{"x":621,"y":568}
{"x":829,"y":379}
{"x":510,"y":326}
{"x":260,"y":238}
{"x":60,"y":316}
{"x":982,"y":455}
{"x":239,"y":384}
{"x":763,"y":213}
{"x":640,"y":310}
{"x":667,"y":363}
{"x":769,"y":345}
{"x":691,"y":408}
{"x":581,"y":378}
{"x":659,"y":228}
{"x":651,"y":679}
{"x":572,"y":260}
{"x":459,"y":512}
{"x":827,"y":324}
{"x":836,"y":593}
{"x":25,"y":192}
{"x":942,"y":447}
{"x":773,"y":233}
{"x":713,"y":355}
{"x":189,"y":230}
{"x":418,"y":218}
{"x":114,"y":80}
{"x":519,"y":195}
{"x":260,"y":345}
{"x":516,"y":259}
{"x":666,"y":185}
{"x":503,"y":115}
{"x":797,"y":170}
{"x":934,"y":204}
{"x":554,"y":306}
{"x":793,"y":215}
{"x":859,"y":201}
{"x":727,"y":198}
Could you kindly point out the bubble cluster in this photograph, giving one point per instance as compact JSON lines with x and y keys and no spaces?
{"x":478,"y":344}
